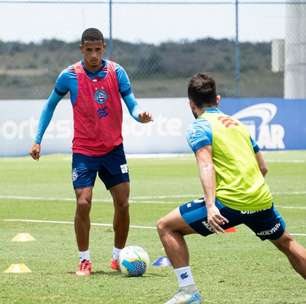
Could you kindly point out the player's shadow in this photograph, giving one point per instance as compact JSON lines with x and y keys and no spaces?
{"x":118,"y":273}
{"x":100,"y":272}
{"x":107,"y":273}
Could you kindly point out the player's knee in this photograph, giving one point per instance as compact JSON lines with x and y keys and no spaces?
{"x":122,"y":205}
{"x":162,"y":226}
{"x":284,"y":243}
{"x":83,"y":206}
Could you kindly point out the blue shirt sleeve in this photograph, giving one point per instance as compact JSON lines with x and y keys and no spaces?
{"x":123,"y":81}
{"x":62,"y":83}
{"x":46,"y":115}
{"x":254,"y":145}
{"x":199,"y":135}
{"x":67,"y":82}
{"x":132,"y":106}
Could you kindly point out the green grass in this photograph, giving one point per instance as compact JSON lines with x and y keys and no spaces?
{"x":229,"y":269}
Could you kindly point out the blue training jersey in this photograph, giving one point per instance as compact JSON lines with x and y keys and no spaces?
{"x":200,"y":134}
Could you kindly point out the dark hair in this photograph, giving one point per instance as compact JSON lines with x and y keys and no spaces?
{"x":202,"y":90}
{"x":92,"y":34}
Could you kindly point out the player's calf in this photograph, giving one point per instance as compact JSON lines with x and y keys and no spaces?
{"x":295,"y":252}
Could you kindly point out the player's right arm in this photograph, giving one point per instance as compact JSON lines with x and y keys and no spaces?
{"x":62,"y":86}
{"x":208,"y":181}
{"x":199,"y":138}
{"x":43,"y":123}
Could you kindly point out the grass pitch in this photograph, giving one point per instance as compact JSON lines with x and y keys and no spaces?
{"x":235,"y":268}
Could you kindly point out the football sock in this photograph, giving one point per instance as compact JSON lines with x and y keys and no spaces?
{"x":184,"y":276}
{"x":84,"y":255}
{"x":116,"y":253}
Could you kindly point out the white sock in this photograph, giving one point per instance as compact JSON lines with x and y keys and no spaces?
{"x":116,"y":253}
{"x":84,"y":255}
{"x":184,"y":276}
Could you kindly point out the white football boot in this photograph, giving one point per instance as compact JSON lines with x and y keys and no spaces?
{"x":186,"y":295}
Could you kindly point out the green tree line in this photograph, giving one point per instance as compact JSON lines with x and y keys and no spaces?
{"x":28,"y":70}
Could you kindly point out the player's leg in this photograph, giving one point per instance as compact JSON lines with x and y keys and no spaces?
{"x":189,"y":218}
{"x":82,"y":228}
{"x":83,"y":177}
{"x":269,"y":225}
{"x":121,"y":220}
{"x":82,"y":219}
{"x":114,"y":174}
{"x":171,"y":229}
{"x":295,"y":252}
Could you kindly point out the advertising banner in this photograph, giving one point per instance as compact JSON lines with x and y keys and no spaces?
{"x":276,"y":124}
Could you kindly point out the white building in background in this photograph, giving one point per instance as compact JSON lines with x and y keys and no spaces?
{"x":295,"y":51}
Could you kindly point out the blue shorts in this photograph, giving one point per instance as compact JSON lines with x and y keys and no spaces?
{"x":112,"y":169}
{"x":267,"y":224}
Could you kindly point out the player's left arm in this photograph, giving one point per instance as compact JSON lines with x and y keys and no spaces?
{"x":259,"y":158}
{"x":208,"y":181}
{"x":129,"y":98}
{"x":261,"y":163}
{"x":135,"y":110}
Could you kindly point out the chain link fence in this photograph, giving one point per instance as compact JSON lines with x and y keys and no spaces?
{"x":161,"y":44}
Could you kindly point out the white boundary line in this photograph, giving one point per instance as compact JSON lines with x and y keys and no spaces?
{"x":292,"y":207}
{"x":95,"y":224}
{"x":187,"y":156}
{"x":138,"y":199}
{"x":135,"y":198}
{"x":52,"y":199}
{"x":71,"y":223}
{"x":286,"y":161}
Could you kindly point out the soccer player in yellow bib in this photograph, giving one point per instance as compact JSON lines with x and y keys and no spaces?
{"x":231,"y":170}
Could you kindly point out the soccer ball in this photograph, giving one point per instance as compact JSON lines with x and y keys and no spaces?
{"x":134,"y":261}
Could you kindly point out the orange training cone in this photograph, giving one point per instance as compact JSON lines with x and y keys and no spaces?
{"x":231,"y":229}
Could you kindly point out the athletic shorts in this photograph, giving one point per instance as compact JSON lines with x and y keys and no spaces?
{"x":112,"y":169}
{"x":266,"y":224}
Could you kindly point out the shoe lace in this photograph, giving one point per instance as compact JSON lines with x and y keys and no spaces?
{"x":84,"y":265}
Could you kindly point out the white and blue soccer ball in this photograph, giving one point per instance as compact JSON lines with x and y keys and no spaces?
{"x":134,"y":261}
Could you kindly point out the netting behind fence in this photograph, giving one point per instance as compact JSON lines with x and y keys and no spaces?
{"x":161,"y":45}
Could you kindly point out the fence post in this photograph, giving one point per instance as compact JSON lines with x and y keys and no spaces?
{"x":237,"y":51}
{"x":110,"y":42}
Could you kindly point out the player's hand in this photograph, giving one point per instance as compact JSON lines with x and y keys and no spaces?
{"x":215,"y":219}
{"x":145,"y":117}
{"x":35,"y":151}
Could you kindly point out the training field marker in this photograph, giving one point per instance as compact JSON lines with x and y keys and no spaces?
{"x":286,"y":161}
{"x":145,"y":199}
{"x":23,"y":237}
{"x":72,"y":223}
{"x":17,"y":268}
{"x":95,"y":224}
{"x":134,"y":199}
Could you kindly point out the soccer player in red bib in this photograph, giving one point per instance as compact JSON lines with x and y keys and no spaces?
{"x":96,"y":87}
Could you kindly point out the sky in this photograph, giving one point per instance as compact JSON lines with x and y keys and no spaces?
{"x":145,"y":23}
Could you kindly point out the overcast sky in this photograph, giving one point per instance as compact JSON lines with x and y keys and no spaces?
{"x":147,"y":23}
